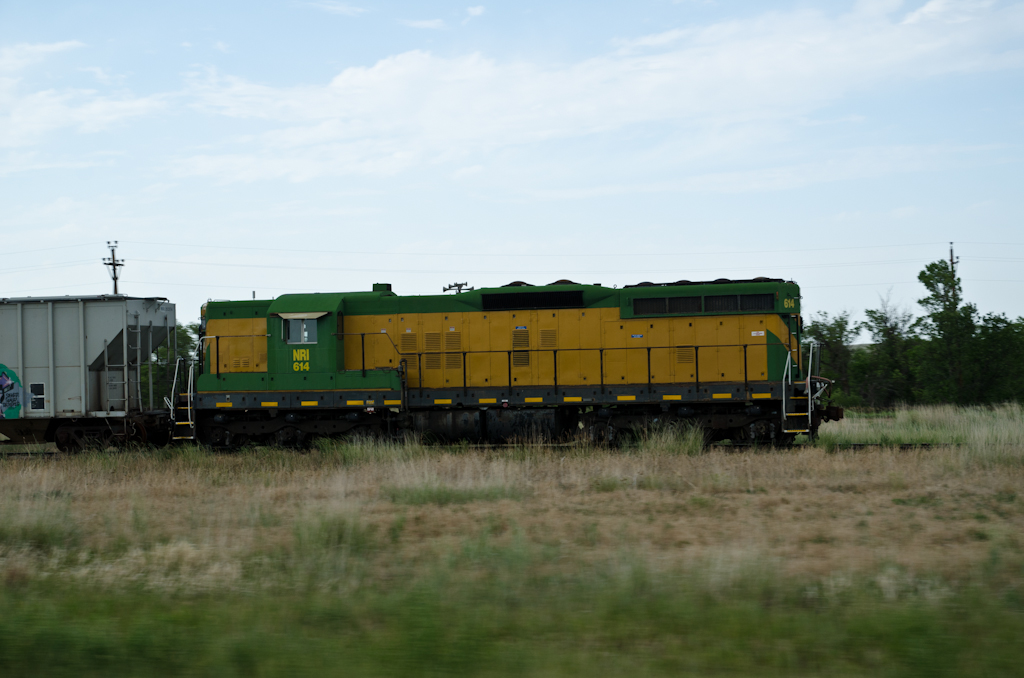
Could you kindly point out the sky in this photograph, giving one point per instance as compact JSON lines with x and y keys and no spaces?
{"x":269,"y":147}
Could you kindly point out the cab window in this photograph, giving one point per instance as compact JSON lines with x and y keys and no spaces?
{"x":300,"y":331}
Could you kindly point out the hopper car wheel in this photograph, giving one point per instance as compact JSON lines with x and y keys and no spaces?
{"x":67,"y":440}
{"x":135,"y":435}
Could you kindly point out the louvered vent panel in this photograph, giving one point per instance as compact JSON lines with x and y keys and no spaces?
{"x":757,"y":302}
{"x":727,"y":302}
{"x":453,"y":341}
{"x":549,"y":338}
{"x":432,"y":361}
{"x":412,"y":363}
{"x":408,"y":343}
{"x":521,"y":339}
{"x":453,"y":361}
{"x":684,"y":305}
{"x":433,"y":342}
{"x":684,"y":354}
{"x":520,"y":359}
{"x":649,"y":306}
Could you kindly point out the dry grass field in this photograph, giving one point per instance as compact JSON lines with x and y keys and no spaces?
{"x":370,"y":558}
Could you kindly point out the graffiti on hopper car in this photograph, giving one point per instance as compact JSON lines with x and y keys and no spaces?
{"x":10,"y":394}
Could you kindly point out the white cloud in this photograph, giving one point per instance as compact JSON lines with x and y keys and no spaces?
{"x":186,"y":45}
{"x":654,"y":40}
{"x":949,"y":11}
{"x":220,"y":47}
{"x":430,"y":24}
{"x":15,"y":162}
{"x":336,"y":7}
{"x":17,"y":57}
{"x":475,"y":11}
{"x":100,"y":74}
{"x":738,"y":83}
{"x":26,"y":117}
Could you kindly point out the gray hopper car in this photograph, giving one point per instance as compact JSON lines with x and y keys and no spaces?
{"x":71,"y":369}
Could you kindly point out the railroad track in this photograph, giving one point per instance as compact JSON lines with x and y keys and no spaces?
{"x":4,"y":454}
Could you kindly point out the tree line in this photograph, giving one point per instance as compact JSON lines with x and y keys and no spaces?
{"x":951,"y":354}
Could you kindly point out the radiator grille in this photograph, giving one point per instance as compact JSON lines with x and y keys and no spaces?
{"x":407,"y":343}
{"x":453,"y":341}
{"x":662,"y":305}
{"x":725,"y":302}
{"x":453,"y":361}
{"x":412,"y":363}
{"x":520,"y":359}
{"x":684,"y":305}
{"x":649,"y":306}
{"x":757,"y":302}
{"x":432,"y":361}
{"x":549,"y":338}
{"x":433,"y":342}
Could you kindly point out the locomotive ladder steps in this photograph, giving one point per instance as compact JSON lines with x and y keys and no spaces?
{"x":798,"y":414}
{"x":185,"y":405}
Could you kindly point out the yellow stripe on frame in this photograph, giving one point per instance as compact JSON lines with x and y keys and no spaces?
{"x":225,"y":404}
{"x":309,"y":403}
{"x":353,"y":402}
{"x":534,"y":400}
{"x":671,"y":397}
{"x":760,"y":395}
{"x":627,"y":397}
{"x":572,"y":399}
{"x":488,"y":401}
{"x":392,"y":402}
{"x":269,"y":404}
{"x":443,"y":401}
{"x":721,"y":395}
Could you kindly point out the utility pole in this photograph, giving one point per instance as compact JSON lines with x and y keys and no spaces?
{"x":952,"y":261}
{"x":114,"y":263}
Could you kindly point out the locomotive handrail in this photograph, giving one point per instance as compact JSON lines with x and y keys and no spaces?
{"x":554,"y":351}
{"x":403,"y":356}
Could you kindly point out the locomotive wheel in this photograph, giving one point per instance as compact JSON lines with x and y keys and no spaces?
{"x":289,"y":436}
{"x":602,"y":434}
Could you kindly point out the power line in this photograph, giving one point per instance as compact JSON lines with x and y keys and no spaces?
{"x":519,"y":271}
{"x":559,"y":256}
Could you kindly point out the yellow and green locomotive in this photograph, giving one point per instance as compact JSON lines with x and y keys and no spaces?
{"x":501,"y":363}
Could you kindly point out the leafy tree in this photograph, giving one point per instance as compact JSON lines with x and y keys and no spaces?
{"x":998,"y":355}
{"x":164,"y":364}
{"x":882,"y":375}
{"x":946,"y":366}
{"x":834,"y":334}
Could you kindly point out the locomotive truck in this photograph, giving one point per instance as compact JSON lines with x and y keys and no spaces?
{"x":497,"y":364}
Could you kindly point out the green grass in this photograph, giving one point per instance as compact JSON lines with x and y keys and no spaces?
{"x":507,"y":620}
{"x":49,"y":528}
{"x":988,"y":433}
